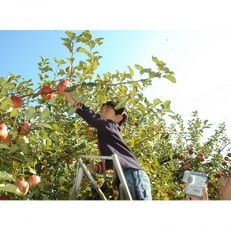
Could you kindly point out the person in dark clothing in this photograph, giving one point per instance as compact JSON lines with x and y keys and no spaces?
{"x":108,"y":125}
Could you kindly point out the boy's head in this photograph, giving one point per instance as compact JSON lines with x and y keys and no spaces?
{"x":108,"y":111}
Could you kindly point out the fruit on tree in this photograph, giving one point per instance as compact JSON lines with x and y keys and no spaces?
{"x":229,"y":154}
{"x":178,"y":155}
{"x":16,"y":101}
{"x":85,"y":181}
{"x":62,"y":85}
{"x":23,"y":185}
{"x":47,"y":93}
{"x":218,"y":175}
{"x":199,"y":158}
{"x":226,"y":158}
{"x":24,"y":128}
{"x":186,"y":167}
{"x":70,"y":160}
{"x":210,"y":185}
{"x":3,"y":131}
{"x":34,"y":180}
{"x":6,"y":140}
{"x":3,"y":197}
{"x":190,"y":151}
{"x":90,"y":133}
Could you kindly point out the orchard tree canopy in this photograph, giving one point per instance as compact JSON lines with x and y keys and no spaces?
{"x":41,"y":136}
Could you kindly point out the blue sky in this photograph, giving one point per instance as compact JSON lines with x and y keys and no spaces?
{"x":199,"y":58}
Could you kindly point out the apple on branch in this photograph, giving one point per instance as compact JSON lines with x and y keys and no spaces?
{"x":3,"y":131}
{"x":24,"y":128}
{"x":63,"y":84}
{"x":6,"y":140}
{"x":47,"y":93}
{"x":16,"y":101}
{"x":23,"y":185}
{"x":3,"y":197}
{"x":34,"y":180}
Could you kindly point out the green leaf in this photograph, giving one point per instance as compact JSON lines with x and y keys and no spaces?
{"x":72,"y":88}
{"x":59,"y":61}
{"x":15,"y":113}
{"x":170,"y":78}
{"x":56,"y":127}
{"x":6,"y":103}
{"x":45,"y":114}
{"x":6,"y":176}
{"x":131,"y":71}
{"x":156,"y":101}
{"x":70,"y":34}
{"x":45,"y":125}
{"x":158,"y":62}
{"x":167,"y":106}
{"x":20,"y":157}
{"x":139,"y":67}
{"x":145,"y":70}
{"x":10,"y":188}
{"x":22,"y":140}
{"x":76,"y":96}
{"x":4,"y":146}
{"x":71,"y":110}
{"x":30,"y":113}
{"x":14,"y":148}
{"x":83,"y":50}
{"x":33,"y":171}
{"x":122,"y":103}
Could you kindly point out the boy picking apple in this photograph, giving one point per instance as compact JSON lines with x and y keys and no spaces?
{"x":108,"y":125}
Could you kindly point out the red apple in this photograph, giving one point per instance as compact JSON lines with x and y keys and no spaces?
{"x":16,"y":101}
{"x":23,"y":185}
{"x":34,"y":180}
{"x":4,"y":197}
{"x":70,"y":160}
{"x":210,"y":185}
{"x":218,"y":175}
{"x":24,"y":128}
{"x":63,"y":84}
{"x":229,"y":154}
{"x":226,"y":158}
{"x":186,"y":167}
{"x":199,"y":158}
{"x":6,"y":140}
{"x":3,"y":131}
{"x":47,"y":93}
{"x":90,"y":133}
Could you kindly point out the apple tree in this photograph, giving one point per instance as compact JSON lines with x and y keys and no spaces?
{"x":41,"y":136}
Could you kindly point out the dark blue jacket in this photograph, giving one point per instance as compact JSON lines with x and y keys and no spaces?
{"x":109,"y":139}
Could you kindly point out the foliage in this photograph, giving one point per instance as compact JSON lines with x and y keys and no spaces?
{"x":58,"y":135}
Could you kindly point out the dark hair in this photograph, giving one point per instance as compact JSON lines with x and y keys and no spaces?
{"x":120,"y":111}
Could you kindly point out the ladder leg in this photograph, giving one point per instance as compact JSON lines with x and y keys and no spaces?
{"x":92,"y":181}
{"x":82,"y":170}
{"x":123,"y":182}
{"x":78,"y":180}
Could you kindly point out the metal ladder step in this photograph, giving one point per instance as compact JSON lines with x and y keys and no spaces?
{"x":82,"y":171}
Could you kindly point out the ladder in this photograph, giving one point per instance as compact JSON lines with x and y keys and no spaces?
{"x":82,"y":170}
